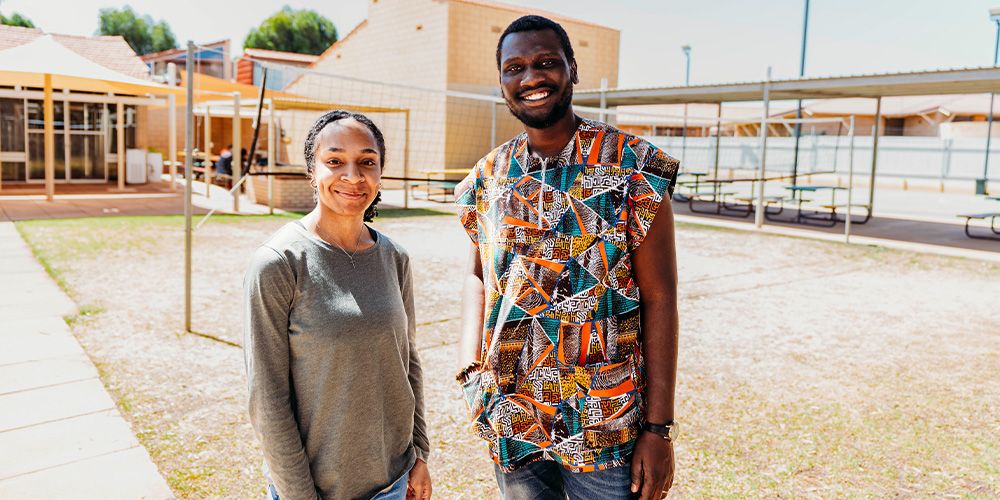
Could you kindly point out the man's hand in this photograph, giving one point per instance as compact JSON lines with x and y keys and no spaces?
{"x":652,"y":466}
{"x":419,"y":485}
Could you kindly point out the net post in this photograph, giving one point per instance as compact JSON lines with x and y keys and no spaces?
{"x":188,"y":178}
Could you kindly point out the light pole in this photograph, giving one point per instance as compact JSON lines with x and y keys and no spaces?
{"x":798,"y":108}
{"x":687,"y":81}
{"x":981,"y":183}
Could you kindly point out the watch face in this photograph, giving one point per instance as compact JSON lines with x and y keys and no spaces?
{"x":672,"y":431}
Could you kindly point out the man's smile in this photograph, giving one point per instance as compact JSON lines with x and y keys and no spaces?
{"x":535,"y":96}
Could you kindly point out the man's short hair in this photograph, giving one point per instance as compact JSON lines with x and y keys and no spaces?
{"x":537,"y":23}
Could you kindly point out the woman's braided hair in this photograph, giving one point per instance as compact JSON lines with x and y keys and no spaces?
{"x":310,"y":148}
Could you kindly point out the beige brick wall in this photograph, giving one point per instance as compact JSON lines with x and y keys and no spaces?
{"x":474,"y":30}
{"x":289,"y":193}
{"x":435,"y":44}
{"x":402,"y":42}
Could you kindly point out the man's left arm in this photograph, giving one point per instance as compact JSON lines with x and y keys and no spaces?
{"x":654,"y":264}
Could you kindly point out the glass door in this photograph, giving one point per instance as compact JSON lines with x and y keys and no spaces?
{"x":12,"y":157}
{"x":36,"y":142}
{"x":86,"y":143}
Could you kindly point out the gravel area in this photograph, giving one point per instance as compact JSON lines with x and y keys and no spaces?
{"x":807,"y":369}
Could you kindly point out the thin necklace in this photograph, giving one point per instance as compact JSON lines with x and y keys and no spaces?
{"x":357,"y":244}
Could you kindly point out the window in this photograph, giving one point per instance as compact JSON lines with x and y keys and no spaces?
{"x":894,"y":126}
{"x":12,"y":125}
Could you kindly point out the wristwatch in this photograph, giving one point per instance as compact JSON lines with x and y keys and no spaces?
{"x":667,"y":431}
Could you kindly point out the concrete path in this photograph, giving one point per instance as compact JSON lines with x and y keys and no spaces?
{"x":61,"y":435}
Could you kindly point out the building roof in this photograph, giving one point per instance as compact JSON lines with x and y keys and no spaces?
{"x":949,"y":81}
{"x":280,"y":56}
{"x":700,"y":114}
{"x":181,"y":53}
{"x":111,"y":52}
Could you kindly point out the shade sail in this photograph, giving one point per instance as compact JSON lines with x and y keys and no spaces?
{"x":26,"y":65}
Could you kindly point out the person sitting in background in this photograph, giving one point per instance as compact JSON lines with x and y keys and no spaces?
{"x":224,"y":165}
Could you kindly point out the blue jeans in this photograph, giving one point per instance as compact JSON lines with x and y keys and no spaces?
{"x":545,"y":480}
{"x":395,"y":491}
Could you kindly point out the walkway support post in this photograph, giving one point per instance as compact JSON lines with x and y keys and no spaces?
{"x":48,"y":114}
{"x":208,"y":152}
{"x":273,"y":136}
{"x":172,"y":126}
{"x":237,"y":165}
{"x":875,"y":134}
{"x":850,"y":183}
{"x":120,"y":134}
{"x":759,"y":215}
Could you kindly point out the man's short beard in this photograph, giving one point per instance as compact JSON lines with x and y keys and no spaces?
{"x":558,"y":112}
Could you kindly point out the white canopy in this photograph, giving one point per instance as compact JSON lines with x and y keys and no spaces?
{"x":26,"y":65}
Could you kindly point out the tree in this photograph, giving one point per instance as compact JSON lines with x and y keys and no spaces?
{"x":141,"y":33}
{"x":303,"y":31}
{"x":16,"y":19}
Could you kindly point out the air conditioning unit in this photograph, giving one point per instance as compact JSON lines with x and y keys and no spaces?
{"x":135,"y":166}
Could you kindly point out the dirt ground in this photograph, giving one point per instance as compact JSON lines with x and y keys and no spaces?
{"x":806,"y":369}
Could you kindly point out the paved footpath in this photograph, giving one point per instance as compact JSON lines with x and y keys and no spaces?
{"x":61,"y":435}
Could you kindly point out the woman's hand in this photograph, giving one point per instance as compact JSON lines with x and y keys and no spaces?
{"x":419,"y":485}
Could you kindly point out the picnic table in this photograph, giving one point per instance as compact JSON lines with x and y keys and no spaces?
{"x":696,"y":184}
{"x":827,"y":218}
{"x":730,"y":203}
{"x":446,"y":187}
{"x":993,"y":217}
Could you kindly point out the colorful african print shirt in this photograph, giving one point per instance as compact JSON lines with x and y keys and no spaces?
{"x":563,"y":374}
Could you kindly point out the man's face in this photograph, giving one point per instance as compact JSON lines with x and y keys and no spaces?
{"x":536,"y":78}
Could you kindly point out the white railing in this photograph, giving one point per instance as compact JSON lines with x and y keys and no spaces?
{"x":899,"y":157}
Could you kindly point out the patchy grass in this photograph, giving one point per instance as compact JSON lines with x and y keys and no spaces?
{"x":807,"y":368}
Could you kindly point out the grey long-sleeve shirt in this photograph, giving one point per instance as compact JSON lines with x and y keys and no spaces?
{"x":335,"y":381}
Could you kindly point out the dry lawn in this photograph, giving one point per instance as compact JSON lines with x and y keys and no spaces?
{"x":807,"y":369}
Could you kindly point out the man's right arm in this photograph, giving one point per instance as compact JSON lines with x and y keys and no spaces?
{"x":473,"y":300}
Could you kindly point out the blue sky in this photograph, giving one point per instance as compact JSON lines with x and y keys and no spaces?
{"x":732,"y":40}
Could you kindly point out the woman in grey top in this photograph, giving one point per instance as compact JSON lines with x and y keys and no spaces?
{"x":335,"y":381}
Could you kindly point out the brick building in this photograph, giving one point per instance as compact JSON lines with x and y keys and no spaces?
{"x":417,"y":49}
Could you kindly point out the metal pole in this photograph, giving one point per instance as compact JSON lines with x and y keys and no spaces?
{"x":493,"y":124}
{"x":759,"y":216}
{"x":604,"y":99}
{"x":875,"y":133}
{"x":172,"y":126}
{"x":850,"y":184}
{"x":989,"y":123}
{"x":798,"y":107}
{"x":718,"y":139}
{"x":188,"y":178}
{"x":406,"y":160}
{"x":237,"y":166}
{"x":687,"y":82}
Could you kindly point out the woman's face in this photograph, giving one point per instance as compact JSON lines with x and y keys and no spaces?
{"x":347,"y":170}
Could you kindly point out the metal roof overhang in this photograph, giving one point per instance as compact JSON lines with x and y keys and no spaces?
{"x":957,"y":81}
